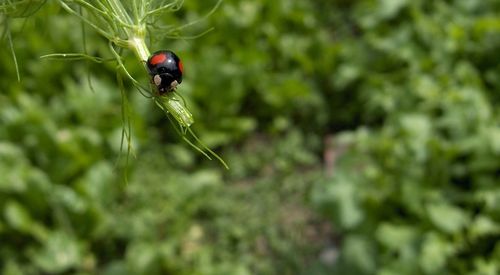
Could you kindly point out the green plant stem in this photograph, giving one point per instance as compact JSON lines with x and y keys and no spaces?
{"x":138,"y":45}
{"x":120,"y":11}
{"x":175,"y":107}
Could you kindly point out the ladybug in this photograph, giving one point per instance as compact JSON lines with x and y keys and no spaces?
{"x":166,"y":69}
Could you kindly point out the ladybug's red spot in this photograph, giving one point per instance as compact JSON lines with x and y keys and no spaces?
{"x":181,"y":67}
{"x":159,"y":58}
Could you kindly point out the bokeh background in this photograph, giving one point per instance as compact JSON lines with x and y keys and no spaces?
{"x":363,"y":137}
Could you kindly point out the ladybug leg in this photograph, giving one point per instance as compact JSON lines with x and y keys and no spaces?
{"x":157,"y":80}
{"x":174,"y":84}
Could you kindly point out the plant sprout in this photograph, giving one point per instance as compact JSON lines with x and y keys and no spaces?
{"x":125,"y":24}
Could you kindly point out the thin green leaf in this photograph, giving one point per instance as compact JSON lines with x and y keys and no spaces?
{"x":75,"y":56}
{"x":14,"y":58}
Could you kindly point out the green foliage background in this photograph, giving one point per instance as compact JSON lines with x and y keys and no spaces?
{"x":363,"y":138}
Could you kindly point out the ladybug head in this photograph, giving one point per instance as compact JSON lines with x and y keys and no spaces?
{"x":165,"y":82}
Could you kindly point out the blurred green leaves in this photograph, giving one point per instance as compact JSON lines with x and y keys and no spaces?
{"x":447,"y":218}
{"x":60,"y":252}
{"x":420,"y":169}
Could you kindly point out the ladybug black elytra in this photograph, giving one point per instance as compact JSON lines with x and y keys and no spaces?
{"x":166,"y":70}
